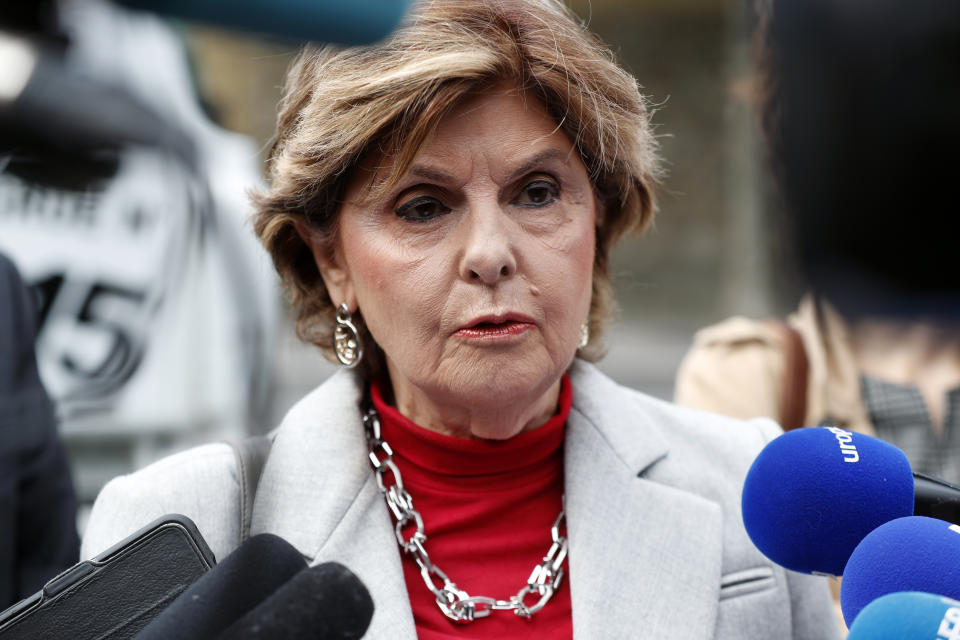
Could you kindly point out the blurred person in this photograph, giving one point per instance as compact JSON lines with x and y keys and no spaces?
{"x":442,"y":209}
{"x":894,"y":378}
{"x":875,"y":346}
{"x":858,"y":103}
{"x":38,"y":508}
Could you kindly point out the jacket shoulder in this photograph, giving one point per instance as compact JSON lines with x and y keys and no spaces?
{"x":696,"y":441}
{"x":201,"y":483}
{"x":736,"y":368}
{"x":708,"y":455}
{"x":725,"y":445}
{"x":721,"y":445}
{"x":737,"y":330}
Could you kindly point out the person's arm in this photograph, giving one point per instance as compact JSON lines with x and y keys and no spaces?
{"x":41,"y":530}
{"x":47,"y":540}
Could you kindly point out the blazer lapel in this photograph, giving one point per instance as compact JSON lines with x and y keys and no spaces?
{"x":317,"y":492}
{"x":635,"y":543}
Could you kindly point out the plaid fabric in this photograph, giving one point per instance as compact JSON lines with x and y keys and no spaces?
{"x":900,"y":417}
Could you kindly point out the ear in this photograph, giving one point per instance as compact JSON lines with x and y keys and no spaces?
{"x":333,"y":269}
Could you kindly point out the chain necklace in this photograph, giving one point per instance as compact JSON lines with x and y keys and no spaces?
{"x":454,"y":602}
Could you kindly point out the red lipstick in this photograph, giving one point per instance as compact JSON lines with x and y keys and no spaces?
{"x":496,"y":327}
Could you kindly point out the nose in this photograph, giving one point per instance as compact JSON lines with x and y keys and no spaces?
{"x":489,"y":254}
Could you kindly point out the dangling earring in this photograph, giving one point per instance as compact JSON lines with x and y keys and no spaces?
{"x":584,"y":336}
{"x":346,"y":339}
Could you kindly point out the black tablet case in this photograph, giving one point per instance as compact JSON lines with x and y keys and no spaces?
{"x":114,"y":595}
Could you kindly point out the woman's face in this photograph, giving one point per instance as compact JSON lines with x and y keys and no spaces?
{"x":474,"y":273}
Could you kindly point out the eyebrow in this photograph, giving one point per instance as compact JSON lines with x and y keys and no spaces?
{"x":430,"y":173}
{"x":538,"y":159}
{"x":541,"y":157}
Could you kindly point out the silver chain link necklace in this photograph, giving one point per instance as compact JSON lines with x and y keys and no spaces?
{"x":454,"y":602}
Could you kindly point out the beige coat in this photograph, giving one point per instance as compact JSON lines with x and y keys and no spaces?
{"x":737,"y":368}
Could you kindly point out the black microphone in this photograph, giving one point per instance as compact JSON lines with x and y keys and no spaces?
{"x":935,"y":498}
{"x":325,"y":602}
{"x":240,"y":582}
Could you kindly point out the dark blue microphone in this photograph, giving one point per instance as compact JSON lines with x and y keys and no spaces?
{"x":914,"y":553}
{"x":812,"y":495}
{"x":907,"y":614}
{"x":233,"y":587}
{"x":325,"y":602}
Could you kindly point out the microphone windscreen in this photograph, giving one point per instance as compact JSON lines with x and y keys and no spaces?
{"x":351,"y":23}
{"x":325,"y":602}
{"x":915,"y":553}
{"x":812,"y":494}
{"x":907,"y":614}
{"x":228,"y":591}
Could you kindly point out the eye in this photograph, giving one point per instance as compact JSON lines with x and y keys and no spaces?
{"x":538,"y":193}
{"x":422,"y":209}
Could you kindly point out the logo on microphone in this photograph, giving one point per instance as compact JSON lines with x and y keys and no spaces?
{"x":950,"y":625}
{"x":845,"y":439}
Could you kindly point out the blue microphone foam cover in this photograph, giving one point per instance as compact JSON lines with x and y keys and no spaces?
{"x":812,"y":494}
{"x":915,"y":553}
{"x":907,"y":614}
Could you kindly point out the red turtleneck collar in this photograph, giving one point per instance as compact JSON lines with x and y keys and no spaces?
{"x":487,"y":508}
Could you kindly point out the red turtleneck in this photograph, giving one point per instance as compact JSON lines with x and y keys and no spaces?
{"x":487,"y":508}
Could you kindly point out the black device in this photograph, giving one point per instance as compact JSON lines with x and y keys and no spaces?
{"x":114,"y":595}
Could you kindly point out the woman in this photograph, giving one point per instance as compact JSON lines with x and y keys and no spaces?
{"x":442,"y":208}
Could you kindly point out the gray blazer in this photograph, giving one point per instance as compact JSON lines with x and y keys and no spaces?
{"x":657,"y":546}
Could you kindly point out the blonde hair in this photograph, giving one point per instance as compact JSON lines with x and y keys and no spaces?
{"x":340,"y":103}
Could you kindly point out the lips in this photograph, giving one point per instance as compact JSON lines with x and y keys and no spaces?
{"x":494,"y":327}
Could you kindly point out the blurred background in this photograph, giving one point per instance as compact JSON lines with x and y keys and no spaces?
{"x":162,"y":323}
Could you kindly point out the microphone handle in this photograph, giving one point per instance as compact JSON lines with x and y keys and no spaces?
{"x":936,"y":498}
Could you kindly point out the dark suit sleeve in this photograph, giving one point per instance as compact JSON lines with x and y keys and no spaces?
{"x":38,"y":535}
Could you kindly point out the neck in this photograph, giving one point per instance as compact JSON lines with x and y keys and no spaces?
{"x":920,"y":354}
{"x":902,"y":351}
{"x":496,"y":416}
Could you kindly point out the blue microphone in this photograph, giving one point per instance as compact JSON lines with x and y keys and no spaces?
{"x":812,"y":495}
{"x":907,"y":614}
{"x":914,"y":553}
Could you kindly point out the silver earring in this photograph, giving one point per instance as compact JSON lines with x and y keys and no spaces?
{"x":346,"y":339}
{"x":584,"y":336}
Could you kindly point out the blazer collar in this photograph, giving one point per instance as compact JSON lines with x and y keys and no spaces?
{"x":636,"y":542}
{"x":317,"y":491}
{"x":634,"y":440}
